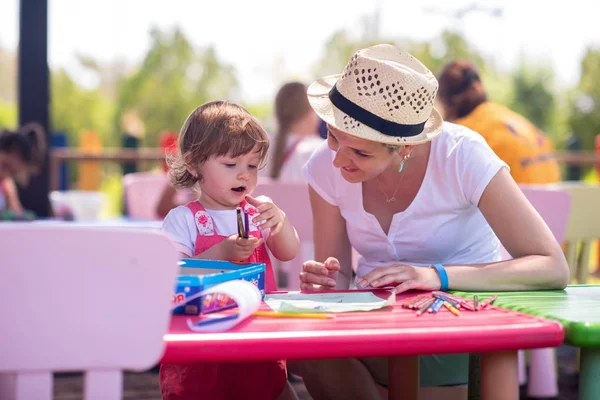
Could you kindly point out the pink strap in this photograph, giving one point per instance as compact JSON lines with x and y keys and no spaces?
{"x":196,"y":206}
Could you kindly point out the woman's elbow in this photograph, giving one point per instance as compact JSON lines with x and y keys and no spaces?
{"x":559,"y":273}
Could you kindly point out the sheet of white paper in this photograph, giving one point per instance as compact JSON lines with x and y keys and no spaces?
{"x":328,"y":302}
{"x":245,"y":294}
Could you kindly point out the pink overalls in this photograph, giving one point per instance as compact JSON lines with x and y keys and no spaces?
{"x":251,"y":381}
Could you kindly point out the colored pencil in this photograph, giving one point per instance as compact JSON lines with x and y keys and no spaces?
{"x":421,"y":302}
{"x":425,"y":306}
{"x":476,"y":302}
{"x":273,"y":314}
{"x":414,"y":300}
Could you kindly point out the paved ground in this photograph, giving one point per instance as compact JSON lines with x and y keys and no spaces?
{"x":144,"y":386}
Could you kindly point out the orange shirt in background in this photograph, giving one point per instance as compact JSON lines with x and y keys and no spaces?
{"x":526,"y":150}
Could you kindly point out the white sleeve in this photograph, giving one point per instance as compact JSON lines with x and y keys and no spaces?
{"x":320,"y":173}
{"x":477,"y":165}
{"x":180,"y":227}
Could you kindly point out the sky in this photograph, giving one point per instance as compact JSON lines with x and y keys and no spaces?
{"x":268,"y":41}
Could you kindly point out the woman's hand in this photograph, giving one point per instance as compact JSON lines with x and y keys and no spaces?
{"x":269,"y":215}
{"x":404,"y":277}
{"x":319,"y":276}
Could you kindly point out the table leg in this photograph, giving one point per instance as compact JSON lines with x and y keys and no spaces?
{"x":474,"y":388}
{"x":403,"y":382}
{"x":589,"y":371}
{"x":499,"y":376}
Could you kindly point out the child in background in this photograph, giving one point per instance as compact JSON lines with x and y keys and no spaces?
{"x":221,"y":149}
{"x":21,"y":155}
{"x":297,"y":133}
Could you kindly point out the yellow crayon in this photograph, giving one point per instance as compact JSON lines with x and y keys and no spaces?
{"x":292,"y":315}
{"x":452,"y":309}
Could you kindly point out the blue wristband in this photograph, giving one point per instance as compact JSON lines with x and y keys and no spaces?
{"x":443,"y":276}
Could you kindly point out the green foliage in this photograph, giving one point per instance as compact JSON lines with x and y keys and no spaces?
{"x":584,"y":119}
{"x":533,"y":96}
{"x":448,"y":47}
{"x":338,"y":51}
{"x":173,"y":79}
{"x":74,"y":109}
{"x":8,"y":115}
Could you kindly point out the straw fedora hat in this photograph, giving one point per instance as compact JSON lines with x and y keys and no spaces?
{"x":384,"y":95}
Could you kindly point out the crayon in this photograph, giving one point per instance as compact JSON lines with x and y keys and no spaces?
{"x":425,"y":306}
{"x":451,"y":308}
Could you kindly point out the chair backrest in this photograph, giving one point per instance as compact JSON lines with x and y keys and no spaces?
{"x":583,"y":228}
{"x":584,"y":220}
{"x":293,"y":199}
{"x":77,"y":298}
{"x":142,"y":193}
{"x":553,"y":205}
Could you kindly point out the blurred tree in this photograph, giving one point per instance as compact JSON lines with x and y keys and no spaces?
{"x":584,"y":118}
{"x":533,"y":95}
{"x":8,"y":115}
{"x":172,"y":80}
{"x":74,"y":109}
{"x":338,"y":50}
{"x":449,"y":46}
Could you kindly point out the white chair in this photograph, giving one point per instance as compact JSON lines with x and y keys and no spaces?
{"x":142,"y":191}
{"x":81,"y":299}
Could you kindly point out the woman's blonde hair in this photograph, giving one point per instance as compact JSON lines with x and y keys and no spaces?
{"x":291,"y":104}
{"x":215,"y":129}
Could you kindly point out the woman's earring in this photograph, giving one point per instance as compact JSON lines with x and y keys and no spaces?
{"x":406,"y":157}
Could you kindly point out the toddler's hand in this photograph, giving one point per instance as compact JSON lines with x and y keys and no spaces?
{"x":269,"y":215}
{"x":235,"y":248}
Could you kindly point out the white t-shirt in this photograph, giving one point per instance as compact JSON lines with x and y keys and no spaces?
{"x":292,"y":168}
{"x":443,"y":223}
{"x":180,"y":225}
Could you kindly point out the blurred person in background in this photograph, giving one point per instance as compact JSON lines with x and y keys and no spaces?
{"x":527,"y":151}
{"x":21,"y":156}
{"x":297,"y":133}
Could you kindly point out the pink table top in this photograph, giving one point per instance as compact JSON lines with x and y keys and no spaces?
{"x":386,"y":332}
